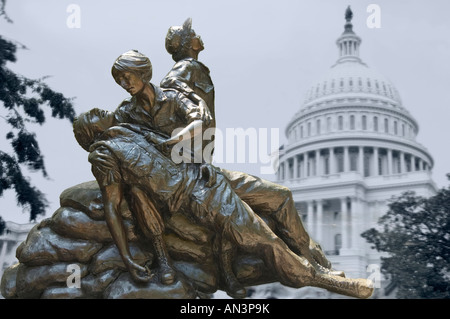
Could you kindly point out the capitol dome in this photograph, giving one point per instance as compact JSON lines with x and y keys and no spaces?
{"x":355,"y":78}
{"x":350,"y":148}
{"x":353,"y":99}
{"x":350,"y":76}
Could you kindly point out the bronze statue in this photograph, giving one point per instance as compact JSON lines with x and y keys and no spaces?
{"x":131,"y":74}
{"x":192,"y":78}
{"x":132,"y":160}
{"x":186,"y":214}
{"x":348,"y":14}
{"x":127,"y":152}
{"x":150,"y":109}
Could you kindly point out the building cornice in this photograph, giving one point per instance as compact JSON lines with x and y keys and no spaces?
{"x":357,"y":105}
{"x":321,"y":188}
{"x":357,"y":138}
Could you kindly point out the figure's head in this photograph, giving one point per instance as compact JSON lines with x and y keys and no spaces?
{"x":132,"y":70}
{"x":182,"y":41}
{"x":88,"y":126}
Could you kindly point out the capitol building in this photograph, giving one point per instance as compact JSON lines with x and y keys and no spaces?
{"x":13,"y":235}
{"x":350,"y":148}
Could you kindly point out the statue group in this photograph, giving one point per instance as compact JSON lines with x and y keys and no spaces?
{"x":164,"y":222}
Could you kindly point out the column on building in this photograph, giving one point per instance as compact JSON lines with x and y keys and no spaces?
{"x":332,"y":161}
{"x":376,"y":163}
{"x":402,"y":163}
{"x":291,"y":168}
{"x":344,"y":223}
{"x":305,"y":164}
{"x":361,"y":160}
{"x":288,"y":169}
{"x":310,"y":215}
{"x":300,"y":166}
{"x":319,"y":220}
{"x":390,"y":162}
{"x":356,"y":211}
{"x":295,"y":167}
{"x":346,"y":159}
{"x":318,"y":168}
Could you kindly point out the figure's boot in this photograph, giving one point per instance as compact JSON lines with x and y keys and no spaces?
{"x":232,"y":286}
{"x":309,"y":249}
{"x":358,"y":288}
{"x":292,"y":231}
{"x":306,"y":252}
{"x":318,"y":254}
{"x":167,"y":274}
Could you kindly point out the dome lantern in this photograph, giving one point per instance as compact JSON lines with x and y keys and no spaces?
{"x":348,"y":43}
{"x":349,"y":76}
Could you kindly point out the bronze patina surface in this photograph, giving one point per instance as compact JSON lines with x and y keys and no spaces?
{"x":151,"y":226}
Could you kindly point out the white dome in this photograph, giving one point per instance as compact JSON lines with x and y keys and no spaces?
{"x":352,"y":78}
{"x":351,"y":99}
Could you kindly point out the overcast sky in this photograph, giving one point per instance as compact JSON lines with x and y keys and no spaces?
{"x":263,"y":56}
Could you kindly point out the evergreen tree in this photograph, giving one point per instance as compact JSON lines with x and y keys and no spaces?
{"x":23,"y":100}
{"x":415,"y":234}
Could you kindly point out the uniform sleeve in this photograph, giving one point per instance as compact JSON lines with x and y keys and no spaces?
{"x":180,"y":78}
{"x":105,"y":167}
{"x":188,"y":110}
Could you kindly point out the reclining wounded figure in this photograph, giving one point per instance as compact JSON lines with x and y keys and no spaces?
{"x":115,"y":189}
{"x":122,"y":158}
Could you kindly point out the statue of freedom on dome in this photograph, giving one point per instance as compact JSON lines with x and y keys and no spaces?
{"x":348,"y":14}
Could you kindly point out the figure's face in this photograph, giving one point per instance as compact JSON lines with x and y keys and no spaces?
{"x":196,"y":42}
{"x":130,"y":82}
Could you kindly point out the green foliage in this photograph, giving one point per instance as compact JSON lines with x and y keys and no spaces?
{"x":415,"y":234}
{"x":23,"y":100}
